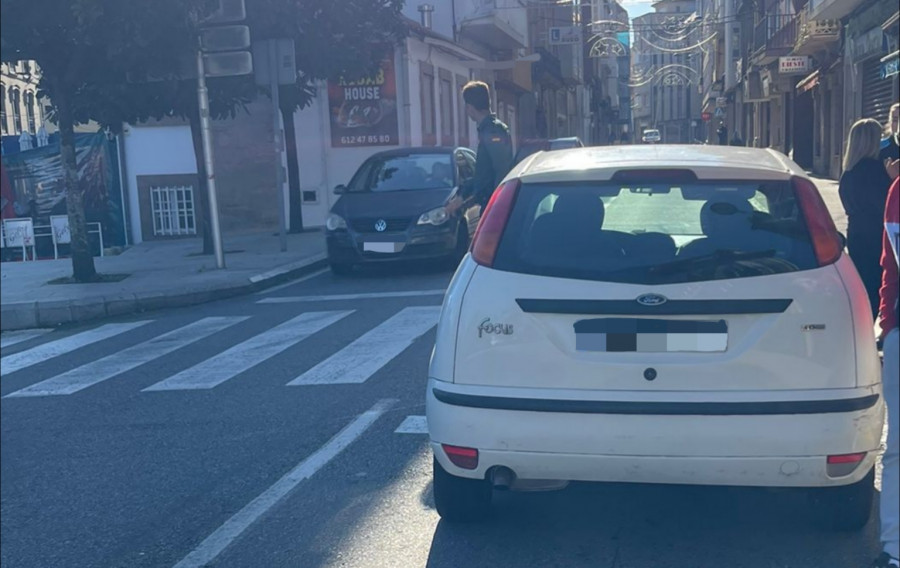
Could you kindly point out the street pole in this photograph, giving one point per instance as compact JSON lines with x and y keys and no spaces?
{"x":206,"y":135}
{"x":276,"y":131}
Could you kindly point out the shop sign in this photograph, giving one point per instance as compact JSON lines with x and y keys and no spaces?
{"x":890,"y":65}
{"x":793,"y":64}
{"x":364,"y":112}
{"x":721,"y":102}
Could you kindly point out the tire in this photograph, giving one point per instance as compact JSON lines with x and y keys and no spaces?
{"x":341,"y":269}
{"x":462,"y":245}
{"x":460,"y":500}
{"x":847,"y":508}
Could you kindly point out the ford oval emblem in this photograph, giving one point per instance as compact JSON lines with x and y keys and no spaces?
{"x":381,"y":225}
{"x":652,"y":300}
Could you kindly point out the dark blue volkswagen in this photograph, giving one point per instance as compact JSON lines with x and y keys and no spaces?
{"x":394,"y":208}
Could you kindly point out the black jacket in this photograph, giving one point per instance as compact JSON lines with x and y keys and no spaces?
{"x":493,"y":160}
{"x":863,"y":192}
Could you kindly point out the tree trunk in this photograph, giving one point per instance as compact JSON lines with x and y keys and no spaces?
{"x":204,"y":224}
{"x":82,"y":257}
{"x":295,"y":196}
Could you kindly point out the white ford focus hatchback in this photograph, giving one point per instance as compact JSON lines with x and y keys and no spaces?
{"x":656,"y":314}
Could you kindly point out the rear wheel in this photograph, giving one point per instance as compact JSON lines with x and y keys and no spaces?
{"x":459,"y":499}
{"x":847,"y":508}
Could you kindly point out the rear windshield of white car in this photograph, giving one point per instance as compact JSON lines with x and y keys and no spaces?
{"x":656,"y":233}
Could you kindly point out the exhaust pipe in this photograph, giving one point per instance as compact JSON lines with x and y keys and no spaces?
{"x":502,"y":478}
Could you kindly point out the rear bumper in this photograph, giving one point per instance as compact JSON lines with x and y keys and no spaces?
{"x":615,"y":443}
{"x":345,"y":247}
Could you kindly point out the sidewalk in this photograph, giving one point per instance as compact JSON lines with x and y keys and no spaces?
{"x":162,"y":274}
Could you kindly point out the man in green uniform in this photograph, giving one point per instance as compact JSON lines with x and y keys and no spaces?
{"x":495,"y":156}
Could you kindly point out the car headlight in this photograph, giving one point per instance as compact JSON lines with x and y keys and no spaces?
{"x":434,"y":217}
{"x":335,"y":222}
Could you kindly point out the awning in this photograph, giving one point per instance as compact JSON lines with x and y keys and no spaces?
{"x":810,"y":82}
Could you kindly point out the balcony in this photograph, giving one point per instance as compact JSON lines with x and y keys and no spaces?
{"x":814,"y":36}
{"x":499,"y":24}
{"x":773,"y":37}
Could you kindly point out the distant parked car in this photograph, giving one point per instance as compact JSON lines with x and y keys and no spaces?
{"x":651,"y":136}
{"x":532,"y":145}
{"x":394,"y":209}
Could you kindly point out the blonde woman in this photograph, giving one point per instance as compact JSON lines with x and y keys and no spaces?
{"x":863,"y":190}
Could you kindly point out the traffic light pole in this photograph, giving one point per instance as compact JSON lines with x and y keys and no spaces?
{"x":279,"y":170}
{"x":206,"y":135}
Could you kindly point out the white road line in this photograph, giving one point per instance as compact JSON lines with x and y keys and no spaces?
{"x":12,"y":337}
{"x":362,"y":358}
{"x":413,"y":425}
{"x":102,"y":369}
{"x":228,"y":364}
{"x":214,"y":544}
{"x":338,"y":297}
{"x":65,"y":345}
{"x":288,"y":268}
{"x":292,"y":282}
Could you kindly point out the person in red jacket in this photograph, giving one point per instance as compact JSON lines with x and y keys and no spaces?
{"x":890,"y":477}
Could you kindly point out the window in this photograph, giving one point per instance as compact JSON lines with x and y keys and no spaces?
{"x":3,"y":126}
{"x":679,"y":102}
{"x":462,"y":123}
{"x":29,"y":112}
{"x":173,"y":211}
{"x":426,"y":83}
{"x":448,"y":129}
{"x":15,"y":100}
{"x":656,"y":233}
{"x":405,"y":172}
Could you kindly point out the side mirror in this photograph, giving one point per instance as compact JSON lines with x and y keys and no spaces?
{"x":340,"y":189}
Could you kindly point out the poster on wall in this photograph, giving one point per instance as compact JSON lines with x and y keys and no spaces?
{"x":38,"y":187}
{"x":364,"y":112}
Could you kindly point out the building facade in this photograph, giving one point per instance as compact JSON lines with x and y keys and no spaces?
{"x":666,"y":71}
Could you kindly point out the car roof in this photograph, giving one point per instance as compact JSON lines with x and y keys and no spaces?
{"x":706,"y":161}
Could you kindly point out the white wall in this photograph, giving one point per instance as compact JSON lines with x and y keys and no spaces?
{"x":323,"y":167}
{"x":154,"y":150}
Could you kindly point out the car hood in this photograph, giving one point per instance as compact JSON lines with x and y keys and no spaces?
{"x":393,"y":204}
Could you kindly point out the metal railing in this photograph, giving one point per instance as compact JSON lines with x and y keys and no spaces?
{"x":775,"y":31}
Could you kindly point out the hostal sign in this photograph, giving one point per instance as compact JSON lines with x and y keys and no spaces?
{"x":793,"y":65}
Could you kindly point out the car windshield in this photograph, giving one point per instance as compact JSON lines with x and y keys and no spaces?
{"x":409,"y":172}
{"x":656,"y":233}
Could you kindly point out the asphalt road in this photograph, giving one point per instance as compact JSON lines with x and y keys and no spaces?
{"x":177,"y":440}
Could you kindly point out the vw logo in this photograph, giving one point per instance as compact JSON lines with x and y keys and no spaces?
{"x":381,"y":225}
{"x":652,"y":300}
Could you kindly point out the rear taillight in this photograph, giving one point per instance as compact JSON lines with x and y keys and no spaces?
{"x":826,"y":240}
{"x":466,"y":458}
{"x":493,"y":222}
{"x":843,"y":464}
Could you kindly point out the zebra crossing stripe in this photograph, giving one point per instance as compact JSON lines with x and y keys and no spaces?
{"x":413,"y":425}
{"x":365,"y":356}
{"x":344,"y":297}
{"x":243,"y":356}
{"x":65,"y":345}
{"x":102,"y":369}
{"x":10,"y":338}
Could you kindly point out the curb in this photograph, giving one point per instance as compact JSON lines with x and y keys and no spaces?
{"x":28,"y":315}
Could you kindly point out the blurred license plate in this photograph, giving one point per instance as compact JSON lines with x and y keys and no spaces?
{"x":382,"y":247}
{"x":651,"y":336}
